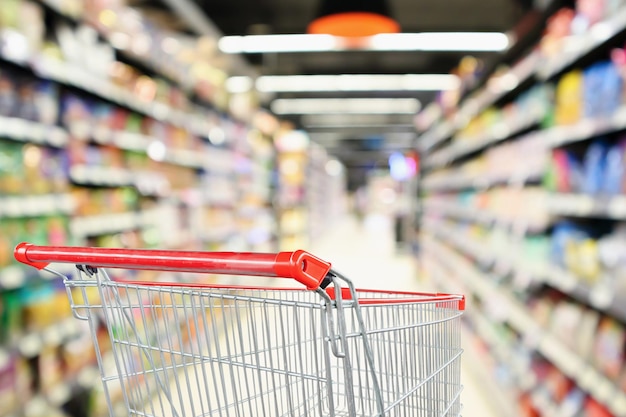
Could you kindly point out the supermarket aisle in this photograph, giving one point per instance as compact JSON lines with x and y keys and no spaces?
{"x":365,"y":253}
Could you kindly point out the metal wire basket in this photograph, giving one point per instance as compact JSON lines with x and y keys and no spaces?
{"x":187,"y":349}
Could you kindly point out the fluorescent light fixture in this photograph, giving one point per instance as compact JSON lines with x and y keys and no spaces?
{"x":424,"y":41}
{"x":346,"y":106}
{"x":440,"y":41}
{"x":241,"y":84}
{"x":358,"y":120}
{"x":276,"y":43}
{"x":357,"y":82}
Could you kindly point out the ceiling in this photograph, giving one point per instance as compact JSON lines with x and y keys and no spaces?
{"x":357,"y":144}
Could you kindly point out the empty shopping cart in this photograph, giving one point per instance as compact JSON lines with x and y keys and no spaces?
{"x":179,"y":349}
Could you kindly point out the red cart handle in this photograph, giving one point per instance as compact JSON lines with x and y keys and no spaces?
{"x":305,"y":268}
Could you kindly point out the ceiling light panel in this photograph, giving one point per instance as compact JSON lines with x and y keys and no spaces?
{"x":356,"y":82}
{"x":277,"y":43}
{"x":440,"y":41}
{"x":327,"y":120}
{"x":346,"y":106}
{"x":424,"y":41}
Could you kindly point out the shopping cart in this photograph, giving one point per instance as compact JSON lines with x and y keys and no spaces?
{"x":195,"y":349}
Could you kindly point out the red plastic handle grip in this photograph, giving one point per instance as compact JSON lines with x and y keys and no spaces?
{"x":305,"y":268}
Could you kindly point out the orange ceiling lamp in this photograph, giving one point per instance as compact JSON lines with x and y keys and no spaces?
{"x":353,"y":18}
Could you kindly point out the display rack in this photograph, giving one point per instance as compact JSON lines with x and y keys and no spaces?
{"x":507,"y":257}
{"x":482,"y":286}
{"x":531,"y":67}
{"x":128,"y":170}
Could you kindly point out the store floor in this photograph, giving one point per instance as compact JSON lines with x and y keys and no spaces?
{"x":365,"y":252}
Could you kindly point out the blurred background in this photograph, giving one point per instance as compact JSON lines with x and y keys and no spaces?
{"x":471,"y":147}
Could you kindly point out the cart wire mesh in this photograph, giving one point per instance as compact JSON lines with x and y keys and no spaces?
{"x":191,"y":349}
{"x":184,"y":350}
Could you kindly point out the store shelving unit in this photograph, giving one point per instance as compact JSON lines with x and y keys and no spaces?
{"x":466,"y":146}
{"x":470,"y":246}
{"x":482,"y":287}
{"x":114,"y":183}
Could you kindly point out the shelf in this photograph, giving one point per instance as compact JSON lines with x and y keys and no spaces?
{"x":600,"y":297}
{"x":554,"y":137}
{"x":186,"y":158}
{"x":141,"y":143}
{"x":450,"y":283}
{"x":74,"y":76}
{"x":587,"y":377}
{"x":525,"y":379}
{"x":499,"y":87}
{"x":580,"y":46}
{"x":125,"y":140}
{"x":33,"y":132}
{"x":436,"y":135}
{"x":584,"y":205}
{"x":461,"y":181}
{"x":477,"y":215}
{"x":466,"y":146}
{"x":585,"y":129}
{"x":456,"y":211}
{"x":101,"y":176}
{"x":36,"y":205}
{"x":103,"y":224}
{"x":154,"y":66}
{"x":464,"y":245}
{"x":529,"y":67}
{"x":511,"y":81}
{"x":500,"y":397}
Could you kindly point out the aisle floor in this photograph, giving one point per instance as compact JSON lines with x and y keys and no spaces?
{"x":366,"y":253}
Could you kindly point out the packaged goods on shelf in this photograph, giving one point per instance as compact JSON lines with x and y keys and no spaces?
{"x":541,"y":253}
{"x":539,"y":329}
{"x":102,"y":144}
{"x":608,"y":349}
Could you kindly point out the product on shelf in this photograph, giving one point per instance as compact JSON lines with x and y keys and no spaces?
{"x":24,"y":19}
{"x":11,"y":168}
{"x":566,"y":317}
{"x":8,"y":93}
{"x":592,"y":93}
{"x":76,"y":116}
{"x":614,"y":181}
{"x":594,"y":167}
{"x":600,"y":169}
{"x":575,"y":249}
{"x":569,"y":98}
{"x":603,"y":89}
{"x":595,"y":409}
{"x":558,"y":28}
{"x":609,"y":349}
{"x":31,"y":169}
